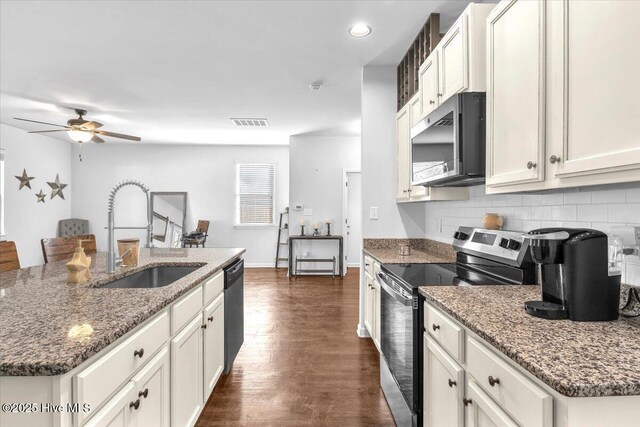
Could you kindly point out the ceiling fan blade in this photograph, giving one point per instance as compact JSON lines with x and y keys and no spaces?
{"x":43,"y":123}
{"x":92,"y":125}
{"x":45,"y":131}
{"x":118,"y":135}
{"x":97,"y":139}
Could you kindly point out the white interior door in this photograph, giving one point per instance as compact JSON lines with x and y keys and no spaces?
{"x":353,"y":219}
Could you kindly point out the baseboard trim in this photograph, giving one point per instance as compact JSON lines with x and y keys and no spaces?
{"x":362,"y":332}
{"x":259,"y":265}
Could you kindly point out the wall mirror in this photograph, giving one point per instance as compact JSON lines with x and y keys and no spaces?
{"x":169,"y":217}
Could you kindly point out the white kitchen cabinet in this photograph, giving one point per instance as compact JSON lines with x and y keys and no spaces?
{"x":428,"y":84}
{"x":403,"y":145}
{"x":443,"y":387}
{"x":559,"y":109}
{"x":369,"y":304}
{"x":454,"y":60}
{"x":118,"y":411}
{"x":213,"y":318}
{"x":593,"y":88}
{"x":515,"y":93}
{"x":482,"y":411}
{"x":376,"y":313}
{"x":186,"y":374}
{"x":152,"y":392}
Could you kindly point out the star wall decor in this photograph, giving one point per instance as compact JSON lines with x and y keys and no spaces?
{"x":56,"y":188}
{"x":40,"y":196}
{"x":24,"y":179}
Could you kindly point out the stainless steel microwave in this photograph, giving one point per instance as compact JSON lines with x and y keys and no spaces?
{"x":448,"y":145}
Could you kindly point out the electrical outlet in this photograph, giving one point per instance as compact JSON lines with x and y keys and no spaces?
{"x":373,"y":212}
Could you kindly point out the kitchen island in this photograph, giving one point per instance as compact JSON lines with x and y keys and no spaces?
{"x":81,"y":344}
{"x":532,"y":370}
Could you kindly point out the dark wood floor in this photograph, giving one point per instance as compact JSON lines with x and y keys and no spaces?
{"x":302,"y":363}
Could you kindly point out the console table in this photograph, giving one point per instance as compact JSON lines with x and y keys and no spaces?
{"x":293,"y":267}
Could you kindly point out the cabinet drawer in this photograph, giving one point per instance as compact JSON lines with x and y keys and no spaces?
{"x":213,"y":286}
{"x":525,"y":402}
{"x":368,"y":265}
{"x":445,"y":331}
{"x":98,"y":381}
{"x":184,"y":310}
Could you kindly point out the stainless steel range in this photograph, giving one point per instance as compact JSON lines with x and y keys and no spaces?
{"x":484,"y":257}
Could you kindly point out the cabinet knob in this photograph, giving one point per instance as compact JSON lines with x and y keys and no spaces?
{"x":204,"y":326}
{"x":144,"y":393}
{"x":435,"y":327}
{"x":210,"y":318}
{"x":440,"y":95}
{"x":493,"y":381}
{"x":404,"y":191}
{"x":554,"y":159}
{"x":467,"y":402}
{"x":431,"y":101}
{"x":452,"y":383}
{"x":531,"y":165}
{"x":139,"y":353}
{"x":135,"y":405}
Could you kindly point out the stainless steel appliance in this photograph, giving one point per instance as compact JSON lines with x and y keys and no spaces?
{"x":448,"y":146}
{"x":233,"y":312}
{"x":574,"y":275}
{"x":485,"y":257}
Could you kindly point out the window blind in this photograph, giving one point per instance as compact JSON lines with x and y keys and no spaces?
{"x":255,"y":194}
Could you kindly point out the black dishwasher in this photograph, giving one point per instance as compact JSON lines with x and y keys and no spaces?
{"x":233,"y":312}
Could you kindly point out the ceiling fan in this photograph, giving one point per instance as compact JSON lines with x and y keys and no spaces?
{"x":81,"y":130}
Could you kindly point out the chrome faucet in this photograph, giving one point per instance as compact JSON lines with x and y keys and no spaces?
{"x":112,"y":260}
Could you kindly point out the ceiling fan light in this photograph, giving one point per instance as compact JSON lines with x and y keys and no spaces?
{"x":80,"y":135}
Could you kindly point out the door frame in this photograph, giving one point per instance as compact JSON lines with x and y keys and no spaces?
{"x":345,"y":208}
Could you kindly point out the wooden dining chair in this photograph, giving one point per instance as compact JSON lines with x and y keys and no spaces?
{"x":8,"y":256}
{"x":203,"y":227}
{"x":62,"y":248}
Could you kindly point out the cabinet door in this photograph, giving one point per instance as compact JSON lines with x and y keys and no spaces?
{"x":415,"y":109}
{"x":152,"y":390}
{"x":443,"y":387}
{"x":595,"y":87}
{"x":368,"y":305}
{"x":453,"y":52}
{"x":376,"y":313}
{"x":515,"y":93}
{"x":213,"y":344}
{"x":117,"y":411}
{"x":482,"y":411}
{"x":403,"y":141}
{"x":186,"y":374}
{"x":429,"y":83}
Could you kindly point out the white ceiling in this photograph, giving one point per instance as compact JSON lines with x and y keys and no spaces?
{"x":176,"y":71}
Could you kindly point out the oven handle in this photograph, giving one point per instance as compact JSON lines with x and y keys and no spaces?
{"x":397,"y":296}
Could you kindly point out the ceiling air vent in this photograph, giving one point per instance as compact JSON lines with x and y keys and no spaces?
{"x":251,"y":123}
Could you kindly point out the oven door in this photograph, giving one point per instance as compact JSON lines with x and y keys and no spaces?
{"x":397,"y":343}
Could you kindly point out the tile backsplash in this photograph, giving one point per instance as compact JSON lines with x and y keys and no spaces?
{"x":611,"y":209}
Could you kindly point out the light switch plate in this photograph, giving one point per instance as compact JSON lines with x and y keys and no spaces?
{"x":373,"y":212}
{"x":307,"y":212}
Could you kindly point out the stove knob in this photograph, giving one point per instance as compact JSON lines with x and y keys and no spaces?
{"x":503,"y":243}
{"x":513,"y":245}
{"x":459,"y":235}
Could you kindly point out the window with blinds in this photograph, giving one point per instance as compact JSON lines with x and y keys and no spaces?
{"x":255,"y":194}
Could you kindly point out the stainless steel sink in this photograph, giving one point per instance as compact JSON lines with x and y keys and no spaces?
{"x":152,"y":277}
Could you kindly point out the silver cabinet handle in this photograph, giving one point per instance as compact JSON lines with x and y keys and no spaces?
{"x":531,"y":165}
{"x":554,"y":159}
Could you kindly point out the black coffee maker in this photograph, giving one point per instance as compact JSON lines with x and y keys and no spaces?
{"x":573,"y":272}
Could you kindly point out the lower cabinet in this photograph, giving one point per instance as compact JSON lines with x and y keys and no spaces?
{"x":186,"y":374}
{"x":483,"y":412}
{"x":116,"y":413}
{"x":443,"y":387}
{"x":371,"y":306}
{"x":213,"y":319}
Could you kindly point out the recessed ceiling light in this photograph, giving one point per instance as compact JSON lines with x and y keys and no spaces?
{"x":360,"y":30}
{"x":315,"y":86}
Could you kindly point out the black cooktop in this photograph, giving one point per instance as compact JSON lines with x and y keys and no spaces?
{"x":415,"y":275}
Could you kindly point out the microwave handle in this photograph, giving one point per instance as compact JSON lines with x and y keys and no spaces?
{"x":392,"y":292}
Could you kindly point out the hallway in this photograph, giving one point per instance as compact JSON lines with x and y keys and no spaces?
{"x":302,"y":362}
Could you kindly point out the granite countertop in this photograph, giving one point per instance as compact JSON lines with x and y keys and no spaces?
{"x":38,"y":308}
{"x":423,"y":251}
{"x":577,"y":359}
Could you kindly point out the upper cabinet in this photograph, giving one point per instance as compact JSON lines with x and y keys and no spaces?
{"x":515,"y":93}
{"x":457,"y":64}
{"x":560,"y":104}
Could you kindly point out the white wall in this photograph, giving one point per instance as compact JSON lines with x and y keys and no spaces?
{"x":206,"y":173}
{"x":379,"y":165}
{"x":316,"y":166}
{"x":26,"y":221}
{"x":612,"y":209}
